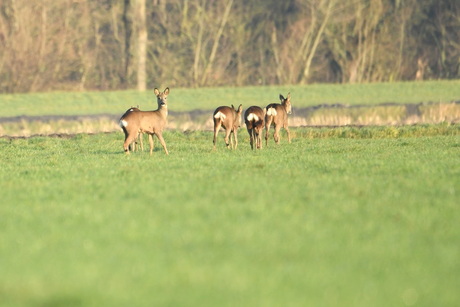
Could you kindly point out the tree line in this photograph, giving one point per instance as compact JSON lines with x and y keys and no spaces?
{"x":122,"y":44}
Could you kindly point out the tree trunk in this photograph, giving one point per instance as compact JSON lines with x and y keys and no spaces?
{"x":128,"y":25}
{"x":196,"y":61}
{"x":319,"y":34}
{"x":216,"y":42}
{"x":41,"y":51}
{"x":142,"y":46}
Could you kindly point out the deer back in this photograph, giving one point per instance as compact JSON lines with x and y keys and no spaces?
{"x":151,"y":121}
{"x":280,"y":111}
{"x":254,"y":117}
{"x":224,"y":115}
{"x":228,"y":116}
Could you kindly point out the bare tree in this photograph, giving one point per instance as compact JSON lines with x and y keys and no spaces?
{"x":128,"y":27}
{"x":215,"y":45}
{"x":101,"y":45}
{"x":141,"y":45}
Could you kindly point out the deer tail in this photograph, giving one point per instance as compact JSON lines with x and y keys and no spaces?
{"x":271,"y":111}
{"x":220,"y":115}
{"x":123,"y":123}
{"x":252,"y":117}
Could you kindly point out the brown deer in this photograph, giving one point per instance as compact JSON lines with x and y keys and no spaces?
{"x":150,"y":122}
{"x":277,"y":114}
{"x":254,"y":119}
{"x":134,"y":146}
{"x":230,"y":120}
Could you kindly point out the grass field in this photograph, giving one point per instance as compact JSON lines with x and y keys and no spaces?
{"x":182,"y":99}
{"x":340,"y":217}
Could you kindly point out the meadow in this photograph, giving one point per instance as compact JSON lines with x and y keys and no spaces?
{"x":332,"y":219}
{"x":343,"y":216}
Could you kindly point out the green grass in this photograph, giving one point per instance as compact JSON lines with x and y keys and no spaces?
{"x":347,"y":218}
{"x":182,"y":99}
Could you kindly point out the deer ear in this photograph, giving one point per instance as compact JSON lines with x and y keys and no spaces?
{"x":156,"y":91}
{"x":281,"y":97}
{"x":240,"y":108}
{"x":166,"y":91}
{"x":289,"y":96}
{"x":233,"y":107}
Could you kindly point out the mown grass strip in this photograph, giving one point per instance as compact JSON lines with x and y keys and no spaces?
{"x":183,"y":99}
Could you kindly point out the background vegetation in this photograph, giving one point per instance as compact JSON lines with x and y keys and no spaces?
{"x":119,"y":44}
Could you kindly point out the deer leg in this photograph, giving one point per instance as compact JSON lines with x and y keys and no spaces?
{"x":151,"y":143}
{"x":267,"y":128}
{"x":141,"y":141}
{"x":216,"y":131}
{"x":135,"y":144}
{"x":227,"y":135}
{"x":162,"y":141}
{"x":251,"y":137}
{"x":259,"y":140}
{"x":276,"y":135}
{"x":288,"y":133}
{"x":128,"y":141}
{"x":232,"y":139}
{"x":150,"y":136}
{"x":235,"y":136}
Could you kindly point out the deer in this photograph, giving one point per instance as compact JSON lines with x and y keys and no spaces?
{"x":230,"y":119}
{"x":254,"y":119}
{"x":150,"y":122}
{"x":277,"y":114}
{"x":134,"y":145}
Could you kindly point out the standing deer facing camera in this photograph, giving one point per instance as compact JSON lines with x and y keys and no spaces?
{"x":277,"y":114}
{"x":230,"y":120}
{"x":254,"y":119}
{"x":150,"y":122}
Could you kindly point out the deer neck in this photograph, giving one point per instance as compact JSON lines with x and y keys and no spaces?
{"x":284,"y":104}
{"x":163,"y":110}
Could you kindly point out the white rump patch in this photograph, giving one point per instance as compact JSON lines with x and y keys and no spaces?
{"x":252,"y":117}
{"x":220,"y":115}
{"x":123,"y":123}
{"x":271,"y":112}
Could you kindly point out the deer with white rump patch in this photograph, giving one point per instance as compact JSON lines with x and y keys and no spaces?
{"x":277,"y":114}
{"x":254,"y":119}
{"x":230,"y":120}
{"x":150,"y":122}
{"x":134,"y":145}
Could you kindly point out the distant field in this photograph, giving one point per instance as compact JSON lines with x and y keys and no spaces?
{"x":181,"y":99}
{"x":340,"y":217}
